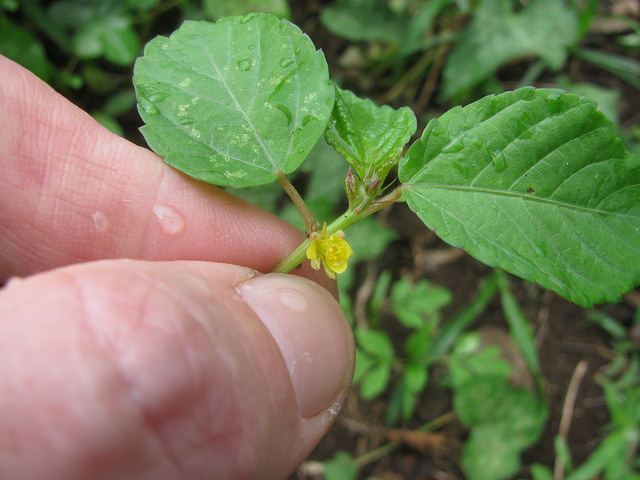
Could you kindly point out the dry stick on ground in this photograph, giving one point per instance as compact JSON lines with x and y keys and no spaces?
{"x":314,"y":468}
{"x":567,"y":413}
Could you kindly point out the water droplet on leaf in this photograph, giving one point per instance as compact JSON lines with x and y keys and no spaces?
{"x":171,"y":222}
{"x":500,"y":163}
{"x":158,"y":97}
{"x":286,"y":112}
{"x":245,"y":64}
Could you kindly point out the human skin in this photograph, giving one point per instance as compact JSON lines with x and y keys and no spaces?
{"x":139,"y":334}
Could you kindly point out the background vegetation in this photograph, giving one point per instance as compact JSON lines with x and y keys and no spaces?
{"x":462,"y":372}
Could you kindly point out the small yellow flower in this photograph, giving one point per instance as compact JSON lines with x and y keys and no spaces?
{"x":330,"y":250}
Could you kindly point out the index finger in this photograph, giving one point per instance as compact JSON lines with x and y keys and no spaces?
{"x":71,"y":191}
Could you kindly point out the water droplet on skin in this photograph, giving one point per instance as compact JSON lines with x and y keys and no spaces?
{"x":293,"y":299}
{"x":171,"y":222}
{"x":244,"y":64}
{"x":13,"y":281}
{"x":286,"y":62}
{"x":100,"y":222}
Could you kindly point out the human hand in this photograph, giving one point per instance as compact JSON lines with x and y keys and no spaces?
{"x":148,"y":368}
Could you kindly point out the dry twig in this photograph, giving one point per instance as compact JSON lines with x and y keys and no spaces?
{"x":567,"y":413}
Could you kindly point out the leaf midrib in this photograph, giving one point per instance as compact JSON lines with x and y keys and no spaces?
{"x":223,"y":80}
{"x":522,"y":196}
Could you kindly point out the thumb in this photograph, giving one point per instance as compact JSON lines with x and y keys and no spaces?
{"x":167,"y":370}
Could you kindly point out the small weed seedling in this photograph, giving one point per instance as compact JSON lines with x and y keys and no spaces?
{"x":535,"y":181}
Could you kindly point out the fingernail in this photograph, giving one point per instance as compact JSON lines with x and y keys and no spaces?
{"x":312,"y":333}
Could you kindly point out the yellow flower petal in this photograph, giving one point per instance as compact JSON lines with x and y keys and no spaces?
{"x":330,"y":250}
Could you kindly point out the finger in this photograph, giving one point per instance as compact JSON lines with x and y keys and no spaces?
{"x":200,"y":371}
{"x":71,"y":191}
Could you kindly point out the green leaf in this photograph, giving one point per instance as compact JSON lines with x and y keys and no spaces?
{"x":413,"y":303}
{"x":378,"y":297}
{"x":109,"y":122}
{"x":370,"y":138}
{"x":216,"y":9}
{"x":536,"y":182}
{"x":375,"y":342}
{"x":364,"y":20}
{"x":9,"y":5}
{"x":541,"y":472}
{"x":418,"y":345}
{"x":606,"y":98}
{"x":415,"y":377}
{"x":469,"y":360}
{"x":448,"y":334}
{"x":611,"y":450}
{"x":234,"y":102}
{"x":375,"y":381}
{"x":120,"y":103}
{"x":369,"y":239}
{"x":563,"y":453}
{"x":21,"y":46}
{"x":326,"y":170}
{"x":497,"y":34}
{"x":342,"y":466}
{"x":489,"y":454}
{"x":489,"y":399}
{"x":73,"y":14}
{"x":519,"y":328}
{"x":111,"y":36}
{"x":626,"y":68}
{"x":403,"y":398}
{"x":364,"y":362}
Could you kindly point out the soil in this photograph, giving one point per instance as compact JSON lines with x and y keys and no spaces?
{"x":565,"y":338}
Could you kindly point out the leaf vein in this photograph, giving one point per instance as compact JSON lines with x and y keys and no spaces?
{"x":489,"y":191}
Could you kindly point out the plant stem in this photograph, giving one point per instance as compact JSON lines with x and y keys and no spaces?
{"x":348,"y":218}
{"x":297,"y":200}
{"x":296,"y":257}
{"x":382,"y":202}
